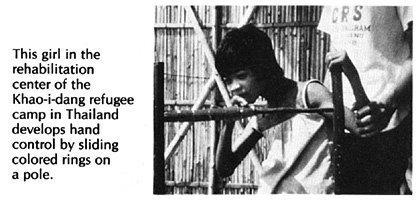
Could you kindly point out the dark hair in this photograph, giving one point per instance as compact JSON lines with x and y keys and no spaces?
{"x":247,"y":48}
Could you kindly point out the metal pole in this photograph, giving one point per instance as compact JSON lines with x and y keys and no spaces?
{"x":213,"y":178}
{"x":212,"y":175}
{"x":232,"y":113}
{"x":337,"y":97}
{"x":159,"y":172}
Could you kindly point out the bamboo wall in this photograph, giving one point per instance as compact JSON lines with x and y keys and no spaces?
{"x":300,"y":50}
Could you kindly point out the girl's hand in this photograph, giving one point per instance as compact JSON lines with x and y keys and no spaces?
{"x":239,"y":101}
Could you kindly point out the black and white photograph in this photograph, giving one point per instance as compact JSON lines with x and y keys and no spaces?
{"x":283,"y":99}
{"x":186,"y":99}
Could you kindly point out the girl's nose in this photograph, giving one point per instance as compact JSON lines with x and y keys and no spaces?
{"x":233,"y":87}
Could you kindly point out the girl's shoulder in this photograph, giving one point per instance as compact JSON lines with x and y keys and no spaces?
{"x":315,"y":93}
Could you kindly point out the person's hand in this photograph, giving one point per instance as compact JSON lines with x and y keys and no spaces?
{"x":339,"y":58}
{"x":267,"y":121}
{"x":258,"y":122}
{"x":373,"y":118}
{"x":239,"y":101}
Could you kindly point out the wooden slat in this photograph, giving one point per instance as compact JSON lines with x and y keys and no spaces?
{"x":205,"y":184}
{"x":185,"y":126}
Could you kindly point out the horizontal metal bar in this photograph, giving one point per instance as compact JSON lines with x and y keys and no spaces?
{"x":169,"y":102}
{"x":185,"y":103}
{"x":231,"y":113}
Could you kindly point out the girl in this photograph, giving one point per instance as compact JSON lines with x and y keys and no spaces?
{"x":245,"y":59}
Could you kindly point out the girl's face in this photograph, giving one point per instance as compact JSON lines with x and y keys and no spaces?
{"x":243,"y":83}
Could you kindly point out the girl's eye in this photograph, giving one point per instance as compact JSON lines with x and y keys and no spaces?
{"x":227,"y":81}
{"x":242,"y":75}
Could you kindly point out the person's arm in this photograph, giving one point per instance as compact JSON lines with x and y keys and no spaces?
{"x":230,"y":153}
{"x":318,"y":96}
{"x":340,"y":59}
{"x":374,"y":117}
{"x":228,"y":157}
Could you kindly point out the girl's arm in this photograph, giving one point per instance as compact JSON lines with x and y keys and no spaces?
{"x":229,"y":157}
{"x":230,"y":153}
{"x":318,"y":96}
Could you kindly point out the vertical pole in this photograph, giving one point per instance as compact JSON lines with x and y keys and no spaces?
{"x":337,"y":97}
{"x":217,"y":33}
{"x":213,"y":177}
{"x":159,"y":172}
{"x":213,"y":186}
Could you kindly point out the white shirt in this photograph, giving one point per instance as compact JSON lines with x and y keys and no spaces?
{"x":374,"y":41}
